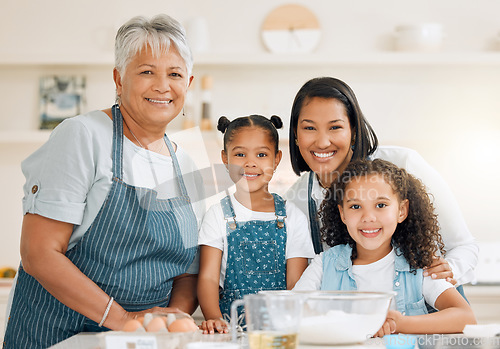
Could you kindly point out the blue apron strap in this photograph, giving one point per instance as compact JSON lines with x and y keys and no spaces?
{"x":228,"y":211}
{"x":313,"y":217}
{"x":177,"y":168}
{"x":279,"y":210}
{"x":117,"y":150}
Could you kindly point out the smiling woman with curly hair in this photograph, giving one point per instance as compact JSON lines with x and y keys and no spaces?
{"x":383,"y":232}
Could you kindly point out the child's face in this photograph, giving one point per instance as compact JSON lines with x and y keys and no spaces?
{"x":371,"y":211}
{"x":251,"y":159}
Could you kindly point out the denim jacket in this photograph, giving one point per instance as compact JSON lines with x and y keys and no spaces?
{"x":337,"y":275}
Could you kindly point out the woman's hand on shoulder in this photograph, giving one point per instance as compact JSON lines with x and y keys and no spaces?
{"x":212,"y":325}
{"x":440,"y":269}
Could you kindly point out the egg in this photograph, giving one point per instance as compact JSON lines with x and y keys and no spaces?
{"x":156,"y":324}
{"x":183,"y":325}
{"x":170,"y":318}
{"x":132,"y":326}
{"x":147,"y":318}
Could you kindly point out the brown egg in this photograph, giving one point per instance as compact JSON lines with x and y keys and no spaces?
{"x":183,"y":325}
{"x":132,"y":326}
{"x":140,"y":319}
{"x":156,"y":324}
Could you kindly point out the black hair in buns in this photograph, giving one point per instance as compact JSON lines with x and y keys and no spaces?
{"x":229,"y":128}
{"x":276,"y":121}
{"x":222,"y":124}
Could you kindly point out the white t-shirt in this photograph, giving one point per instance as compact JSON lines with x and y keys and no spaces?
{"x":213,"y":230}
{"x":461,"y":248}
{"x":373,"y":277}
{"x":73,"y":172}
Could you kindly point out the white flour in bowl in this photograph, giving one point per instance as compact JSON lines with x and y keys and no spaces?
{"x":338,"y":327}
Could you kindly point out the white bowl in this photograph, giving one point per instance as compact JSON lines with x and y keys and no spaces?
{"x":341,"y":317}
{"x":419,"y":37}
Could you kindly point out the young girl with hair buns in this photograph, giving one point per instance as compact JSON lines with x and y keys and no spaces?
{"x":380,"y":224}
{"x":251,"y":240}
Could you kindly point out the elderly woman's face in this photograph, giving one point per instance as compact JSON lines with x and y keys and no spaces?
{"x":152,"y":89}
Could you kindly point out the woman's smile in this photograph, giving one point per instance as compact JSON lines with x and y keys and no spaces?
{"x":323,"y":155}
{"x":159,"y":100}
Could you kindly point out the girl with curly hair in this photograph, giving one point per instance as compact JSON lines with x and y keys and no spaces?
{"x":380,"y":224}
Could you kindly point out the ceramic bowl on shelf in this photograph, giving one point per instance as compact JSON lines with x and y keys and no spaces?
{"x":419,"y":37}
{"x":341,"y":317}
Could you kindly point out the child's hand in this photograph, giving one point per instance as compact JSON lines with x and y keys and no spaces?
{"x":209,"y":326}
{"x":440,"y":269}
{"x":390,"y":324}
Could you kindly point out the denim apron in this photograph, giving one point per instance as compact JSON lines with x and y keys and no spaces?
{"x":134,"y":248}
{"x":313,"y":217}
{"x":256,"y":255}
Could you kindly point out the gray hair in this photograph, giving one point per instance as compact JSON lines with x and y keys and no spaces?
{"x":157,"y":32}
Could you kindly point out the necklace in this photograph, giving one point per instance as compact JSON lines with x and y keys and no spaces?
{"x":140,"y":144}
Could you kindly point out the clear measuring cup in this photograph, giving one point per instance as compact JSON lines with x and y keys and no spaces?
{"x":272,"y":319}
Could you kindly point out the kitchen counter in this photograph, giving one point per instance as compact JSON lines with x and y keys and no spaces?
{"x":93,"y":341}
{"x":436,"y":341}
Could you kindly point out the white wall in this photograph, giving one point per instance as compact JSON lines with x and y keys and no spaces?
{"x":449,"y":113}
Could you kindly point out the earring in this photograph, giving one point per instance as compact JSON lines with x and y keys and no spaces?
{"x":296,"y":142}
{"x":183,"y":115}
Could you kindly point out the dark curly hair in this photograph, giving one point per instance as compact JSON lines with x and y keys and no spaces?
{"x":417,"y":237}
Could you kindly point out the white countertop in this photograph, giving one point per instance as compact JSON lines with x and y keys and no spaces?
{"x":94,"y":341}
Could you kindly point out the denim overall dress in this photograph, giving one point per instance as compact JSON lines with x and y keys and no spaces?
{"x":256,"y":255}
{"x":134,"y":248}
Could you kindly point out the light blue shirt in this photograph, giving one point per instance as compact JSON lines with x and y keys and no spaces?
{"x":337,"y":276}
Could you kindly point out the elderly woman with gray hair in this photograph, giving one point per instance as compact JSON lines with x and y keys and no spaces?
{"x":111,"y":217}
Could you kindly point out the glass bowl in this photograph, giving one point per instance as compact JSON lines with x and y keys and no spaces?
{"x":342,"y":317}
